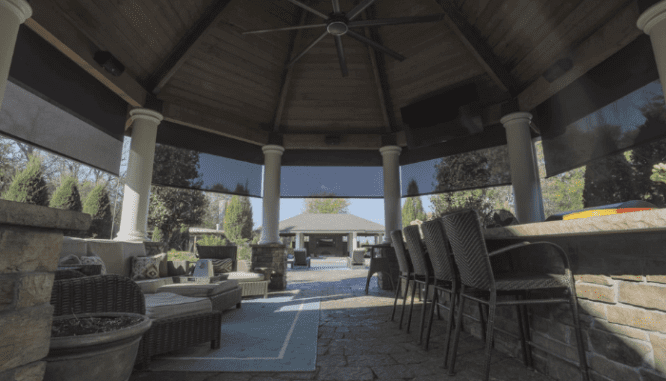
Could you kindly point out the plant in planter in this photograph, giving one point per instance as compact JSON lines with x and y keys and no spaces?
{"x":97,"y":346}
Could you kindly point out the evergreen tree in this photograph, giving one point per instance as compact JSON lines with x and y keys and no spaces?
{"x":98,"y":206}
{"x":413,"y":208}
{"x":29,"y":185}
{"x":157,"y":235}
{"x":66,"y":196}
{"x":327,"y":205}
{"x":238,"y":220}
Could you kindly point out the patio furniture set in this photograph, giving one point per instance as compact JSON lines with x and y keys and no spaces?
{"x":449,"y":254}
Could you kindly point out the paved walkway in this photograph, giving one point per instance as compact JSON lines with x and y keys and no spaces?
{"x":357,"y":341}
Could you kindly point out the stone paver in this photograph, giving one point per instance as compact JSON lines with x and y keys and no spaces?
{"x":357,"y":341}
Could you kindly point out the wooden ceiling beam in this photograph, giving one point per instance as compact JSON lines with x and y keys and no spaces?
{"x":286,"y":74}
{"x":479,"y":48}
{"x":49,"y":22}
{"x":617,"y":33}
{"x":378,"y":64}
{"x":187,"y":45}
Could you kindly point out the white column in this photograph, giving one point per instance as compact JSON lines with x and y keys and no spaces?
{"x":134,"y":220}
{"x":524,"y":169}
{"x":299,"y":240}
{"x":271,"y":197}
{"x":12,"y":14}
{"x":350,"y":245}
{"x":652,"y":23}
{"x":354,"y":243}
{"x":392,"y":215}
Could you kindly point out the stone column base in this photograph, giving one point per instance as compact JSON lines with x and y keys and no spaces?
{"x":274,"y":257}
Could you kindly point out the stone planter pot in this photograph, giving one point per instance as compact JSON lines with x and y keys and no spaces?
{"x":98,"y":356}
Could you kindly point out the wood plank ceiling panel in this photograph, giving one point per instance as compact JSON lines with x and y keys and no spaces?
{"x":436,"y":58}
{"x":565,"y":37}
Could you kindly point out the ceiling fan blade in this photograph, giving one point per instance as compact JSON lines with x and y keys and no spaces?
{"x":358,"y":9}
{"x":285,"y":28}
{"x":375,"y":45}
{"x":396,"y":21}
{"x":293,"y":61}
{"x":341,"y":56}
{"x":316,"y":12}
{"x":336,"y":6}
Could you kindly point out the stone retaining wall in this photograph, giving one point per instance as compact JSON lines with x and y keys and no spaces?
{"x":621,"y":289}
{"x":30,"y":245}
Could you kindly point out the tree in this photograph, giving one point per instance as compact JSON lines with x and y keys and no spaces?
{"x":326,"y":205}
{"x":98,"y":206}
{"x":66,"y":196}
{"x":413,"y":208}
{"x":171,"y":207}
{"x":238,"y":220}
{"x":29,"y":185}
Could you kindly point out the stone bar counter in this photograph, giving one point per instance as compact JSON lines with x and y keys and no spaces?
{"x":619,"y":263}
{"x":30,"y":244}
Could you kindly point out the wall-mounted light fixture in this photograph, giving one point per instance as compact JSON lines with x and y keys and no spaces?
{"x":109,"y":62}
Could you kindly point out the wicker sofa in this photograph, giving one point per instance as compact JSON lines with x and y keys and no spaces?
{"x":252,"y":283}
{"x":115,"y":293}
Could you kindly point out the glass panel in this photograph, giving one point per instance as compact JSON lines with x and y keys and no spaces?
{"x":343,"y":182}
{"x":477,"y":169}
{"x":631,"y":120}
{"x":29,"y":118}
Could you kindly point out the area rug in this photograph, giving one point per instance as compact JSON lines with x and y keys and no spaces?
{"x":264,"y":335}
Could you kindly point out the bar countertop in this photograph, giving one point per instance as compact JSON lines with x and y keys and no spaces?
{"x":649,"y":220}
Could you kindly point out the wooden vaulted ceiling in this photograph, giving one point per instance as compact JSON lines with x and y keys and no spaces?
{"x":194,"y":58}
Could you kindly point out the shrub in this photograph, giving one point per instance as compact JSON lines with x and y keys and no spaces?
{"x":67,"y":196}
{"x":211,"y":240}
{"x":98,"y":206}
{"x":28,"y":185}
{"x":157,"y":235}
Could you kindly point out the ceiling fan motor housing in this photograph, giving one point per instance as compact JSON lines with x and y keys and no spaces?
{"x":337,"y":24}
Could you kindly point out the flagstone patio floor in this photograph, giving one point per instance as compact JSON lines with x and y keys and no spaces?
{"x":357,"y":341}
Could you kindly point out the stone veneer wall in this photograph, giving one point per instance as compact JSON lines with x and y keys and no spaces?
{"x":30,"y":245}
{"x":619,"y":264}
{"x":274,"y":257}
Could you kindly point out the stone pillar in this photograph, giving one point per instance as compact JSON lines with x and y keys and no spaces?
{"x":271,"y":260}
{"x":12,"y":14}
{"x":652,"y":23}
{"x":392,"y":213}
{"x":271,"y":197}
{"x":299,"y":240}
{"x":524,"y":169}
{"x":31,"y":244}
{"x":134,"y":220}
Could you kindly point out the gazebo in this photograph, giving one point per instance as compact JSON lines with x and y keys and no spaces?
{"x":341,"y":98}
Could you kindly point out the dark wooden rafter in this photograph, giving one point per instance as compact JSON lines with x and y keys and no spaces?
{"x":186,"y":46}
{"x":286,"y":74}
{"x":378,"y":63}
{"x":478,"y":47}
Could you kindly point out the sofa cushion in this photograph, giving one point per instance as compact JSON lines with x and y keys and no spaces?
{"x":241,"y":276}
{"x":167,"y":305}
{"x":69,"y":260}
{"x":199,"y":290}
{"x":150,"y":286}
{"x":162,"y":257}
{"x":92,"y":259}
{"x":145,"y":268}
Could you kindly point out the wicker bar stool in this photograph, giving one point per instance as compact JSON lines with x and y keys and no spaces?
{"x":406,"y":271}
{"x":473,"y":262}
{"x":423,"y":273}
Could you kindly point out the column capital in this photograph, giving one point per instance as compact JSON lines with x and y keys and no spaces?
{"x":20,"y":8}
{"x":651,"y":17}
{"x":390,"y":150}
{"x":272,"y":148}
{"x":144,"y":113}
{"x":514,"y":116}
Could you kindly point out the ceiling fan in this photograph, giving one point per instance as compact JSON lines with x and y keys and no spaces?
{"x":338,"y":24}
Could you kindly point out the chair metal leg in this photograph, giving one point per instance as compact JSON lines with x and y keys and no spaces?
{"x":489,"y":334}
{"x":522,"y":330}
{"x":456,"y":336}
{"x":449,"y":326}
{"x":411,"y":307}
{"x":395,"y":302}
{"x":483,"y":317}
{"x":404,"y":301}
{"x":579,"y":335}
{"x":423,"y":313}
{"x":435,"y":301}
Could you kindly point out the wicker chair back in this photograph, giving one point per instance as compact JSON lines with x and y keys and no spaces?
{"x":99,"y":293}
{"x":358,"y":257}
{"x":469,"y":248}
{"x":419,"y":260}
{"x":219,"y":252}
{"x":403,"y":258}
{"x":437,"y":244}
{"x":300,"y":258}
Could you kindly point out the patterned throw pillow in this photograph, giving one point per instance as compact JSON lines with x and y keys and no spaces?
{"x":222,"y":265}
{"x":70,"y":260}
{"x":93,"y":259}
{"x":145,"y":268}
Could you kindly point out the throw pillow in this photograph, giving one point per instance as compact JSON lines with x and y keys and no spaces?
{"x":94,"y":259}
{"x":145,"y":268}
{"x":222,"y":265}
{"x":70,"y":260}
{"x":164,"y":272}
